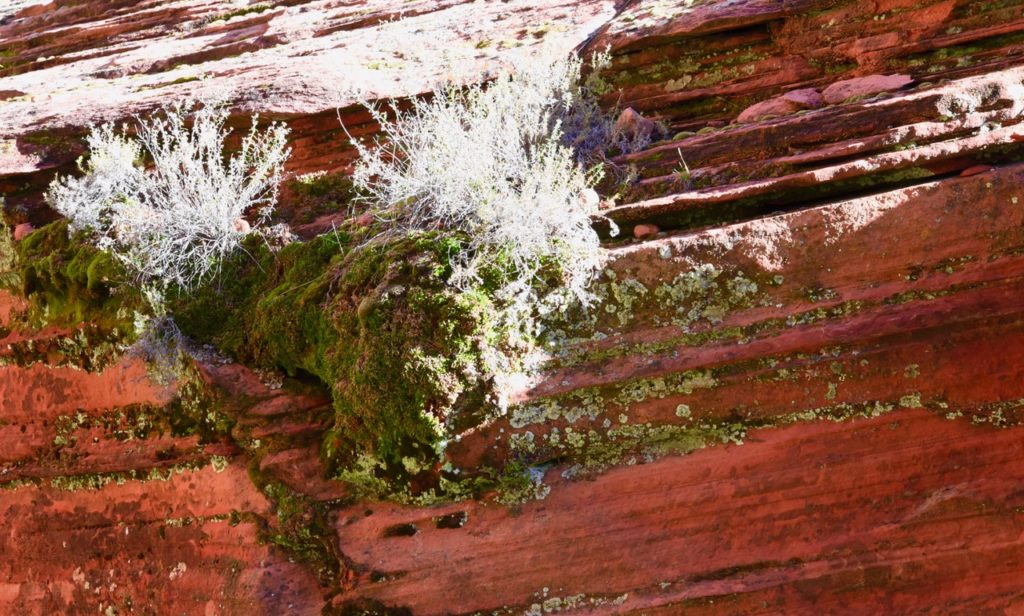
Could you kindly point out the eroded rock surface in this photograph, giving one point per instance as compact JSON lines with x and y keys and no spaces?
{"x":802,"y":392}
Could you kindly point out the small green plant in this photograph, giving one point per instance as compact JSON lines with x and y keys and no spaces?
{"x":682,"y":171}
{"x":8,"y":255}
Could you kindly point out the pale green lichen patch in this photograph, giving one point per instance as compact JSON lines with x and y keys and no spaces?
{"x":831,"y":393}
{"x":911,"y":401}
{"x":591,"y":402}
{"x":953,"y":264}
{"x":999,"y":414}
{"x":593,"y":451}
{"x":127,"y":423}
{"x":700,"y":298}
{"x":593,"y":429}
{"x":547,"y":604}
{"x":836,"y":412}
{"x":704,"y":294}
{"x":96,"y":481}
{"x":622,"y":297}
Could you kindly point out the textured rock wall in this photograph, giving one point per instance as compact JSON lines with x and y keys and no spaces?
{"x":827,"y":320}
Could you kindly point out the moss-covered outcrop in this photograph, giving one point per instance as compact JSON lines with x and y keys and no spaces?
{"x":409,"y":361}
{"x":404,"y":356}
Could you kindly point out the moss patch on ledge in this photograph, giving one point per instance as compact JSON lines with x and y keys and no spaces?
{"x":404,"y":356}
{"x":69,"y":284}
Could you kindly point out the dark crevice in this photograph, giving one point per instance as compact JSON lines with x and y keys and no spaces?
{"x":682,"y":217}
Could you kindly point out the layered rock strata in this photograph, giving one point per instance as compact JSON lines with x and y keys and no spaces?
{"x":801,"y":393}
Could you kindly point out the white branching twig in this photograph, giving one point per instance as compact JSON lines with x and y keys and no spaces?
{"x":505,"y":164}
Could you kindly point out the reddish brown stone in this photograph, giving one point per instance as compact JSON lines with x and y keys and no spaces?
{"x":975,"y":170}
{"x":771,"y":108}
{"x":21,"y":231}
{"x":633,"y":127}
{"x":876,"y":511}
{"x":790,"y":102}
{"x":642,"y":232}
{"x":806,"y":98}
{"x":863,"y":86}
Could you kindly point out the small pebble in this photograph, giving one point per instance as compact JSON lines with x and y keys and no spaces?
{"x":645,"y":231}
{"x":975,"y":170}
{"x":21,"y":231}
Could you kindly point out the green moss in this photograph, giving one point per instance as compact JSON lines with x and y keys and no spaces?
{"x":68,"y":282}
{"x":197,"y":408}
{"x":401,"y":352}
{"x":832,"y":66}
{"x":956,"y":56}
{"x":61,"y":144}
{"x":518,"y":483}
{"x":301,"y":528}
{"x":9,"y":278}
{"x":702,"y":68}
{"x":164,"y":84}
{"x":309,"y":196}
{"x":249,"y":10}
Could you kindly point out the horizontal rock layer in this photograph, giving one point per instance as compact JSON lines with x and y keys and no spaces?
{"x":816,"y":517}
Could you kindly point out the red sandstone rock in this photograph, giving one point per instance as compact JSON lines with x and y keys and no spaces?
{"x":878,"y":511}
{"x":113,"y":60}
{"x":806,"y":98}
{"x":790,"y":102}
{"x":905,"y":302}
{"x":9,"y":305}
{"x":158,"y":546}
{"x":633,"y":127}
{"x":925,"y":141}
{"x":863,"y":86}
{"x":770,"y":108}
{"x":922,"y":304}
{"x":975,"y":170}
{"x":33,"y":398}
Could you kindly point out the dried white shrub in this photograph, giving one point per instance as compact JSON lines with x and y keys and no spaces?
{"x":503,"y":164}
{"x":174,"y":222}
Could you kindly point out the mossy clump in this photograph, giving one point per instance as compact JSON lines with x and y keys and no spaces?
{"x":198,"y":409}
{"x":68,"y":282}
{"x":8,"y":258}
{"x":302,"y":529}
{"x":408,"y":359}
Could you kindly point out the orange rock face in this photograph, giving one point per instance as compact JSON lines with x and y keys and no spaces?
{"x":811,"y":518}
{"x":802,"y":392}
